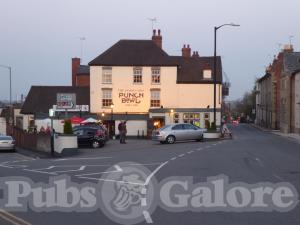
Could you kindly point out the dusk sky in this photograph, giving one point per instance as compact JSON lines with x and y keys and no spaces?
{"x":39,"y":38}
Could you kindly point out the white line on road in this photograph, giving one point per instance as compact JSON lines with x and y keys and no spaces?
{"x":117,"y":167}
{"x":93,"y":158}
{"x":154,"y":172}
{"x":173,"y":158}
{"x":147,"y":217}
{"x":181,"y":155}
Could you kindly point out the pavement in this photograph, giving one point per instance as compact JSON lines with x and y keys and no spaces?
{"x":252,"y":156}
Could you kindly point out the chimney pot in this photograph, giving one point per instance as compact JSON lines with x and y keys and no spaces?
{"x":157,"y":39}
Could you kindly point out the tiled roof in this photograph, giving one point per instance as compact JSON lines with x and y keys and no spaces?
{"x":83,"y":70}
{"x":42,"y":98}
{"x":147,"y":53}
{"x":190,"y":70}
{"x":133,"y":53}
{"x":291,"y":62}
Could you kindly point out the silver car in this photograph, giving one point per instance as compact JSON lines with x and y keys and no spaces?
{"x":7,"y":143}
{"x":178,"y":132}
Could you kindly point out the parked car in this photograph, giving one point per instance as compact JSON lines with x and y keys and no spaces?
{"x":90,"y":136}
{"x":99,"y":126}
{"x":178,"y":132}
{"x":7,"y":143}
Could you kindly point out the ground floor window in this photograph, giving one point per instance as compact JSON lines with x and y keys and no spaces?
{"x":176,"y":117}
{"x":192,"y":118}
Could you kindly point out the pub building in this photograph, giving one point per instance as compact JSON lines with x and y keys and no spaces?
{"x":138,"y":82}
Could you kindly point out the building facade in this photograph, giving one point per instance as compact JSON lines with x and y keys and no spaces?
{"x":278,"y":93}
{"x":264,"y":102}
{"x":136,"y":81}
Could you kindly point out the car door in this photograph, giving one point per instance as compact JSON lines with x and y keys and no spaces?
{"x":190,"y":132}
{"x":80,"y":136}
{"x":179,"y":132}
{"x":89,"y":135}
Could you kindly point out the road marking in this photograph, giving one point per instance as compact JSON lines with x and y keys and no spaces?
{"x":117,"y":167}
{"x":154,"y":172}
{"x":181,"y":155}
{"x":94,"y":158}
{"x":7,"y":214}
{"x":143,"y":202}
{"x":278,"y":177}
{"x":9,"y":220}
{"x":173,"y":158}
{"x":190,"y":152}
{"x":147,"y":217}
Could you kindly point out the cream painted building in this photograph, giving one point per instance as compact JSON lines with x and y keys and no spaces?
{"x":136,"y":81}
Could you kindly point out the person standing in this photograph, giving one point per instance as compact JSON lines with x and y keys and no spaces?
{"x":124,"y":132}
{"x":120,"y":128}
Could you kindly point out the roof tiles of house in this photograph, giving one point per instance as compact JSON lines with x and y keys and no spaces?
{"x":191,"y":69}
{"x":83,"y":70}
{"x":147,"y":53}
{"x":291,"y":61}
{"x":42,"y":98}
{"x":133,"y":53}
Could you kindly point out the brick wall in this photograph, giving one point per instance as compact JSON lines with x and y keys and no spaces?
{"x":83,"y":80}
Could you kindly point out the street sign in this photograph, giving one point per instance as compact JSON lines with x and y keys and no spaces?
{"x":77,"y":108}
{"x":51,"y":112}
{"x":66,"y":101}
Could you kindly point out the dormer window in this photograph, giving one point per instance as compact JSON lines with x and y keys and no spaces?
{"x":207,"y":74}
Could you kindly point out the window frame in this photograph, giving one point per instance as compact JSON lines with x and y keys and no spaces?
{"x":137,"y":77}
{"x":155,"y":77}
{"x":105,"y":69}
{"x":155,"y":102}
{"x":106,"y":101}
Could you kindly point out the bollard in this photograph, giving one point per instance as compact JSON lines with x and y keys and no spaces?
{"x":138,"y":134}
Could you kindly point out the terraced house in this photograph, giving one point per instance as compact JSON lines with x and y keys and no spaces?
{"x":137,"y":81}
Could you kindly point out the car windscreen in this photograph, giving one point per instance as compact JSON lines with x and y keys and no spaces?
{"x":5,"y":138}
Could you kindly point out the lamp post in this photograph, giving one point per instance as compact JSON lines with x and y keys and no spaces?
{"x":111,"y":118}
{"x":215,"y":65}
{"x":10,"y":91}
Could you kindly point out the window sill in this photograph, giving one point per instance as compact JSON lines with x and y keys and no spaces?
{"x":155,"y":83}
{"x":137,"y":83}
{"x":107,"y":83}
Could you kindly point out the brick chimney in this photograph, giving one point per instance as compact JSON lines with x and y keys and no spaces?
{"x":195,"y":54}
{"x":75,"y":66}
{"x":157,"y":38}
{"x":186,"y":51}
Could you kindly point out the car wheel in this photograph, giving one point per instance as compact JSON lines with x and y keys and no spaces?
{"x":200,"y":139}
{"x":170,"y":139}
{"x":95,"y":144}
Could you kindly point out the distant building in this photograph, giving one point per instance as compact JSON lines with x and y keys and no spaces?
{"x":42,"y":98}
{"x":80,"y":74}
{"x":278,"y":93}
{"x":137,"y":81}
{"x":264,"y":107}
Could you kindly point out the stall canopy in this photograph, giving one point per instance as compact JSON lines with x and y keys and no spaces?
{"x":75,"y":120}
{"x":89,"y":120}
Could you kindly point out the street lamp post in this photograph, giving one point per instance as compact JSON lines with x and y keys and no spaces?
{"x":111,"y":118}
{"x":10,"y":91}
{"x":215,"y":65}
